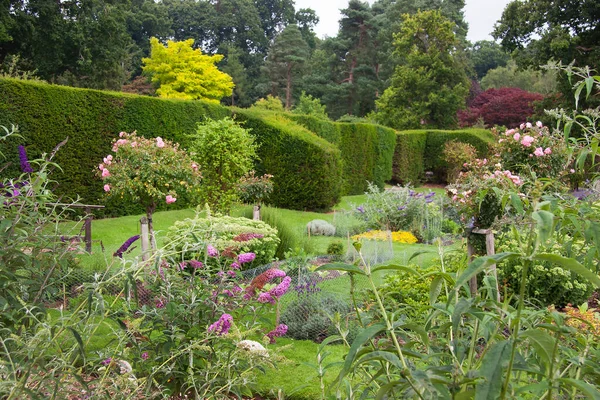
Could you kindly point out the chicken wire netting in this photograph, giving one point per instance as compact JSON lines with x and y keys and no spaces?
{"x":317,"y":305}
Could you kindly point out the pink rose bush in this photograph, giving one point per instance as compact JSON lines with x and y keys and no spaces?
{"x":148,"y":171}
{"x":533,"y":148}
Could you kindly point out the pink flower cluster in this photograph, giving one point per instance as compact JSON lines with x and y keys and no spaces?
{"x":514,"y":178}
{"x":222,"y":325}
{"x":276,"y":292}
{"x":277,"y":332}
{"x":170,"y":199}
{"x":540,"y":152}
{"x":246,"y":258}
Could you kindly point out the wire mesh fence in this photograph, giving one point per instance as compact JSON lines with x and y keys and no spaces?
{"x":317,"y":305}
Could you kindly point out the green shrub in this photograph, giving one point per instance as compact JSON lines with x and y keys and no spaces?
{"x":456,"y":154}
{"x":336,"y":249}
{"x":436,"y":139}
{"x":418,"y":151}
{"x":346,"y":224}
{"x":229,"y":235}
{"x":324,"y":128}
{"x":546,"y":283}
{"x":309,"y":317}
{"x":408,"y":166}
{"x":306,"y":169}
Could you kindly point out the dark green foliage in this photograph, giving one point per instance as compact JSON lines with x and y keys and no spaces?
{"x":436,"y":139}
{"x":306,"y":168}
{"x":320,"y":126}
{"x":335,"y":248}
{"x":408,"y":166}
{"x":367,"y":150}
{"x":418,"y":151}
{"x":306,"y":177}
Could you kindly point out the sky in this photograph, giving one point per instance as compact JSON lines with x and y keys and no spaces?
{"x":480,"y":14}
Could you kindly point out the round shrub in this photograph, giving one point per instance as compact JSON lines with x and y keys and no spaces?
{"x":310,"y":316}
{"x":335,"y":248}
{"x":230,"y":236}
{"x":319,"y":227}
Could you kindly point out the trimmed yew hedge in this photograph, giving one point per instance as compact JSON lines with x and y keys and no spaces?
{"x":47,"y":114}
{"x":418,"y":151}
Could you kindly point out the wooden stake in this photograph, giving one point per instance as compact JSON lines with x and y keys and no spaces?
{"x":145,"y":238}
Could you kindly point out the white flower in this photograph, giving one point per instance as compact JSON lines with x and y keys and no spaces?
{"x":253,"y":347}
{"x":124,"y":366}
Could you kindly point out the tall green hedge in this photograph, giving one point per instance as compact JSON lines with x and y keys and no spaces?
{"x":307,"y":169}
{"x":47,"y":114}
{"x":418,"y":151}
{"x":367,"y":150}
{"x":322,"y":127}
{"x":409,"y":157}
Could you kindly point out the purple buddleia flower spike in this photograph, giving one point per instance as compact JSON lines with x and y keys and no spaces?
{"x":125,"y":246}
{"x":25,"y":166}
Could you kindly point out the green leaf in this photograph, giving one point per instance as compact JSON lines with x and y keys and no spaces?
{"x":491,"y":371}
{"x":435,"y":289}
{"x":568,"y":127}
{"x":353,"y":269}
{"x":590,"y":392}
{"x":383,"y":391}
{"x":589,"y":85}
{"x":481,"y":263}
{"x":418,"y":253}
{"x":577,"y":93}
{"x":363,"y":337}
{"x":542,"y":342}
{"x":570,"y":264}
{"x":517,"y":203}
{"x":461,"y":307}
{"x":394,"y":267}
{"x":381,"y":355}
{"x":79,"y":342}
{"x":545,"y":223}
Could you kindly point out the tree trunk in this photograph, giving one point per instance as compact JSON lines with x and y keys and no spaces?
{"x":149,"y":211}
{"x":288,"y":88}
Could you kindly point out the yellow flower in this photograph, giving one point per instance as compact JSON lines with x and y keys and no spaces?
{"x":398,"y":237}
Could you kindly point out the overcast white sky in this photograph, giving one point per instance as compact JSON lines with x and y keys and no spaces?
{"x":480,"y":14}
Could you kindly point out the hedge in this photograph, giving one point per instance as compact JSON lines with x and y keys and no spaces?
{"x":307,"y":169}
{"x":418,"y":151}
{"x":91,"y":119}
{"x":409,"y":157}
{"x":367,"y":150}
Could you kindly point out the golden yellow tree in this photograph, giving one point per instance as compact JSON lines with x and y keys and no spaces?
{"x":186,"y":73}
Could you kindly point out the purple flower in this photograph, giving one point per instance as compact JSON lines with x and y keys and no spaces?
{"x":231,"y":273}
{"x":211,"y":251}
{"x":107,"y":361}
{"x":246,"y":258}
{"x":125,"y":246}
{"x":182,"y":265}
{"x":581,"y":194}
{"x":160,"y":303}
{"x":222,"y":326}
{"x":411,"y":193}
{"x":282,"y":288}
{"x":429,"y":195}
{"x":195,"y":264}
{"x":145,"y":355}
{"x":25,"y":166}
{"x":235,"y":265}
{"x":274,"y":273}
{"x":277,"y":332}
{"x":400,"y":208}
{"x":428,"y":200}
{"x":220,"y":274}
{"x":360,"y":209}
{"x":266,"y":298}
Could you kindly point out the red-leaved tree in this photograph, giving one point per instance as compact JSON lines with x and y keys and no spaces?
{"x":504,"y":106}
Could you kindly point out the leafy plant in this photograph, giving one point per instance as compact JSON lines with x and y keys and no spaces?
{"x":225,"y":152}
{"x":456,"y":155}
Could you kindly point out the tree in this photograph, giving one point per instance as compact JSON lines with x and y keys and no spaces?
{"x":308,"y":105}
{"x":526,"y":79}
{"x":185,"y":73}
{"x":307,"y":19}
{"x":237,"y":71}
{"x":505,"y":106}
{"x":430,"y":85}
{"x":486,"y":55}
{"x":226,"y":152}
{"x":537,"y":31}
{"x":148,"y":171}
{"x":286,"y":56}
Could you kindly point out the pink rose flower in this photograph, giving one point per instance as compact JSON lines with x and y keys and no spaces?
{"x":572,"y":171}
{"x":522,"y":126}
{"x":517,"y":136}
{"x":538,"y":152}
{"x":547,"y":151}
{"x":105,"y":173}
{"x":170,"y":199}
{"x":527,"y":140}
{"x":539,"y":124}
{"x":159,"y":142}
{"x":528,"y":125}
{"x":121,"y":134}
{"x":107,"y":188}
{"x":510,"y":132}
{"x":101,"y":167}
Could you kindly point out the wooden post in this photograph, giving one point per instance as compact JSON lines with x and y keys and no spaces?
{"x":145,"y":237}
{"x":491,"y":250}
{"x":470,"y":256}
{"x":256,"y":213}
{"x":88,"y":229}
